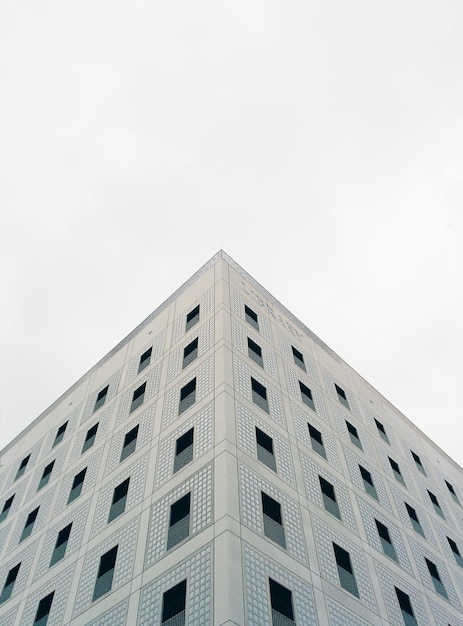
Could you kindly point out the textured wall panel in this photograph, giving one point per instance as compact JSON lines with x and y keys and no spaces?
{"x":301,"y":422}
{"x":152,"y":387}
{"x":388,"y":580}
{"x":113,"y":383}
{"x":240,"y":336}
{"x":204,"y":375}
{"x":205,"y":334}
{"x":206,"y":304}
{"x":60,"y":585}
{"x":237,"y":306}
{"x":157,"y":349}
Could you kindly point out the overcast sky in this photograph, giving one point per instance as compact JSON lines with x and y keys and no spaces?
{"x":320,"y":144}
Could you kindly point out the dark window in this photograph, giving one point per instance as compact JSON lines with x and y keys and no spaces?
{"x":187,"y":396}
{"x":406,"y":608}
{"x":46,"y":475}
{"x":173,"y":604}
{"x":281,"y":603}
{"x":414,"y":519}
{"x":190,"y":353}
{"x":179,"y":521}
{"x":43,"y":610}
{"x":456,"y":551}
{"x":435,"y":504}
{"x":192,"y":318}
{"x":130,"y":442}
{"x":77,"y":484}
{"x":60,"y":433}
{"x":9,"y":583}
{"x":29,"y":525}
{"x":368,"y":482}
{"x":386,"y":542}
{"x":22,"y":466}
{"x":145,"y":360}
{"x":138,"y":397}
{"x":119,"y":500}
{"x":265,"y":452}
{"x":6,"y":508}
{"x":273,"y":523}
{"x":251,"y":317}
{"x":353,"y":434}
{"x":452,"y":492}
{"x":342,"y":396}
{"x":329,"y":497}
{"x":345,"y":572}
{"x":183,"y":450}
{"x":381,"y":431}
{"x":101,"y":398}
{"x":298,"y":358}
{"x":437,"y":582}
{"x":396,"y":469}
{"x":255,"y":352}
{"x":61,"y":544}
{"x":259,"y":395}
{"x":104,"y":580}
{"x":90,"y":438}
{"x":306,"y":396}
{"x":317,"y":441}
{"x":418,"y":462}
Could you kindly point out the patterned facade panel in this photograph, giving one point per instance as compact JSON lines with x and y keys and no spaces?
{"x":92,"y":464}
{"x":341,"y":417}
{"x":201,"y":513}
{"x":25,"y":558}
{"x":202,"y":422}
{"x":152,"y":387}
{"x":330,"y":382}
{"x":145,"y":421}
{"x":407,"y":454}
{"x":33,"y":452}
{"x":301,"y":422}
{"x":443,"y":616}
{"x":247,"y":423}
{"x":206,"y":304}
{"x":113,"y":388}
{"x":8,"y":617}
{"x":43,"y":503}
{"x":353,"y":462}
{"x":286,"y":344}
{"x":386,"y":454}
{"x":205,"y":335}
{"x":18,"y":492}
{"x":389,"y":580}
{"x":237,"y":306}
{"x":59,"y":459}
{"x":370,"y":417}
{"x":292,"y":380}
{"x":442,"y":533}
{"x":400,"y":499}
{"x":71,"y":420}
{"x":157,"y":349}
{"x":116,"y":616}
{"x":240,"y":336}
{"x":423,"y":489}
{"x":258,"y":569}
{"x":340,"y":616}
{"x":60,"y":585}
{"x":102,"y":418}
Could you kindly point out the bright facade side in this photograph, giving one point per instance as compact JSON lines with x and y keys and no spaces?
{"x":223,"y":466}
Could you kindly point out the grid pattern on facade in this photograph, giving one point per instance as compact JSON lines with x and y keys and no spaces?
{"x":303,"y":435}
{"x":206,"y":303}
{"x":340,"y":417}
{"x":286,"y":344}
{"x":340,"y":616}
{"x":239,"y":338}
{"x":331,"y":382}
{"x":237,"y":306}
{"x":71,"y":420}
{"x":60,"y":585}
{"x":157,"y":348}
{"x":9,"y":618}
{"x":92,"y":464}
{"x":59,"y":460}
{"x":32,"y":453}
{"x":443,"y":616}
{"x":205,"y":334}
{"x":204,"y":375}
{"x":293,"y":379}
{"x":400,"y":498}
{"x":353,"y":463}
{"x":113,"y":388}
{"x":116,"y":616}
{"x":102,"y":418}
{"x":25,"y":558}
{"x":152,"y":386}
{"x":388,"y":581}
{"x":43,"y":502}
{"x":145,"y":420}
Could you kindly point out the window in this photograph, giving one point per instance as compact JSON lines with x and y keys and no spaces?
{"x":456,"y":551}
{"x":60,"y":434}
{"x":138,"y":397}
{"x":61,"y":544}
{"x":90,"y":438}
{"x":452,"y":492}
{"x":317,"y":441}
{"x":435,"y":504}
{"x":406,"y":608}
{"x":77,"y":484}
{"x":255,"y":352}
{"x":173,"y":605}
{"x":281,"y":603}
{"x":273,"y":524}
{"x":6,"y":508}
{"x":306,"y":396}
{"x":353,"y":434}
{"x":298,"y":358}
{"x":29,"y":525}
{"x":436,"y":580}
{"x":130,"y":443}
{"x":381,"y":431}
{"x":101,"y":398}
{"x":145,"y":360}
{"x":9,"y":583}
{"x":342,"y":396}
{"x":190,"y":353}
{"x":265,"y":452}
{"x":259,"y":395}
{"x":345,"y":572}
{"x":251,"y":317}
{"x":386,"y":542}
{"x":43,"y":610}
{"x":104,"y":580}
{"x":119,"y":500}
{"x":418,"y":462}
{"x":192,"y":318}
{"x":187,"y":396}
{"x":179,"y":521}
{"x":329,"y":497}
{"x":183,"y":450}
{"x":22,"y":467}
{"x":396,"y":469}
{"x":414,"y":519}
{"x":368,"y":482}
{"x":46,"y":475}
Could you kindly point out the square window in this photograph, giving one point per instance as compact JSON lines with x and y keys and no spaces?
{"x":130,"y":443}
{"x":101,"y":398}
{"x":104,"y":579}
{"x":251,"y":317}
{"x":6,"y":508}
{"x":265,"y":452}
{"x":317,"y":441}
{"x":306,"y":396}
{"x":187,"y":396}
{"x":46,"y":475}
{"x":90,"y":438}
{"x":183,"y":450}
{"x":406,"y":608}
{"x":298,"y":358}
{"x":353,"y":435}
{"x":381,"y":431}
{"x":255,"y":352}
{"x":77,"y":484}
{"x":386,"y":542}
{"x":273,"y":523}
{"x":281,"y":603}
{"x":259,"y":395}
{"x":119,"y":500}
{"x":22,"y":467}
{"x":61,"y":544}
{"x":368,"y":482}
{"x":418,"y":462}
{"x":179,"y":521}
{"x":437,"y":582}
{"x":345,"y":571}
{"x":9,"y":583}
{"x":138,"y":397}
{"x":396,"y":469}
{"x":145,"y":359}
{"x":190,"y":353}
{"x":29,"y":525}
{"x":43,"y":610}
{"x":173,"y":605}
{"x":452,"y":492}
{"x":435,"y":504}
{"x":415,"y":522}
{"x":192,"y":318}
{"x":342,"y":396}
{"x":456,"y":551}
{"x":60,"y":434}
{"x":329,"y":497}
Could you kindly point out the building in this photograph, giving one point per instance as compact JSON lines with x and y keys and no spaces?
{"x":222,"y":466}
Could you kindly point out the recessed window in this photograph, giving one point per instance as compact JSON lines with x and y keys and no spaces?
{"x":255,"y":352}
{"x":418,"y":462}
{"x":436,"y":579}
{"x":138,"y":397}
{"x":435,"y":504}
{"x":61,"y":544}
{"x":259,"y":395}
{"x":396,"y":469}
{"x":187,"y":396}
{"x":381,"y":431}
{"x":342,"y":396}
{"x":368,"y":482}
{"x":353,"y":434}
{"x":77,"y":485}
{"x":179,"y":521}
{"x":415,"y":522}
{"x":452,"y":492}
{"x":119,"y":500}
{"x":329,"y":497}
{"x":306,"y":396}
{"x":298,"y":358}
{"x":386,"y":542}
{"x":60,"y":434}
{"x":29,"y":525}
{"x":190,"y":353}
{"x":183,"y":450}
{"x":273,"y":523}
{"x":43,"y":610}
{"x":130,"y":442}
{"x":345,"y":571}
{"x":456,"y":551}
{"x":101,"y":398}
{"x":46,"y":475}
{"x":192,"y":318}
{"x":251,"y":317}
{"x":90,"y":438}
{"x":9,"y":583}
{"x":104,"y":580}
{"x":265,"y":452}
{"x":145,"y":360}
{"x":316,"y":440}
{"x":22,"y":466}
{"x":6,"y":508}
{"x":173,"y":605}
{"x":282,"y":604}
{"x":406,"y":608}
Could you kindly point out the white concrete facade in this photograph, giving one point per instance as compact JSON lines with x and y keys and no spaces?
{"x":231,"y":470}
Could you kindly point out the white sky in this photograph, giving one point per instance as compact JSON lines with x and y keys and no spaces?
{"x":320,"y":144}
